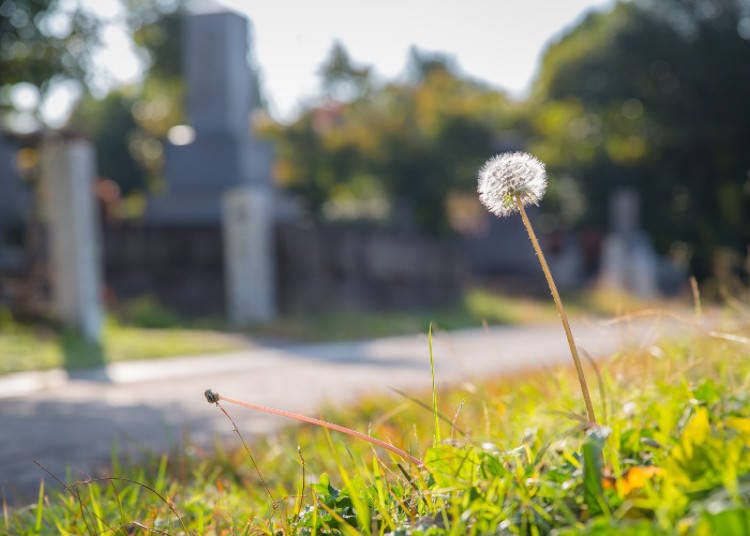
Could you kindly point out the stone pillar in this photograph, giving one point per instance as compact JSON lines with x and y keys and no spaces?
{"x":68,"y":171}
{"x":628,"y":262}
{"x":249,"y":255}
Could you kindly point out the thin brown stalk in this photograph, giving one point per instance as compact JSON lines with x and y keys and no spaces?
{"x":249,"y":453}
{"x":696,"y":297}
{"x":560,"y":311}
{"x":215,"y":397}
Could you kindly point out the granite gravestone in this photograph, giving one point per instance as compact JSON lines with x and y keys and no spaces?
{"x":222,"y":153}
{"x":220,"y":173}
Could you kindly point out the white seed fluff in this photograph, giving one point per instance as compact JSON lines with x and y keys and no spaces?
{"x":508,"y":176}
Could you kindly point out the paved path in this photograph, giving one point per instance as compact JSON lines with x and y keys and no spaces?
{"x":72,"y":420}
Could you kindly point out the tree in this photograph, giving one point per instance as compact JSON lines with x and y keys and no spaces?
{"x":652,"y":95}
{"x":109,"y":122}
{"x":128,"y":124}
{"x":340,"y":78}
{"x":42,"y":41}
{"x":421,"y":64}
{"x":409,"y":144}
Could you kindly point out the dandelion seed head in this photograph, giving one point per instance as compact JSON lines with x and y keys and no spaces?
{"x":510,"y":176}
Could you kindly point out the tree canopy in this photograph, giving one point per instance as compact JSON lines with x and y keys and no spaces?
{"x":652,"y":95}
{"x":400,"y":146}
{"x":44,"y":39}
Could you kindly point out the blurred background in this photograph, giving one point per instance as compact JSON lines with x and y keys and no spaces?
{"x":359,"y":128}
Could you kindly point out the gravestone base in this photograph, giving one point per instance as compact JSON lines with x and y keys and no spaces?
{"x":185,"y":207}
{"x":249,"y":257}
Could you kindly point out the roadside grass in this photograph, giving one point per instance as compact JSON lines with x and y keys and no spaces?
{"x":673,"y":457}
{"x":38,"y":347}
{"x":478,"y":307}
{"x":144,"y":329}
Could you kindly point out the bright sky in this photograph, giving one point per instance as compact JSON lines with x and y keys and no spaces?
{"x":498,"y":41}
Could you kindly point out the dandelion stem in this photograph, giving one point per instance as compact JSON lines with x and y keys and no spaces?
{"x":325,"y":424}
{"x":560,"y":311}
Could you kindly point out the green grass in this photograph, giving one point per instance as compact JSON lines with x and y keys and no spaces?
{"x":144,"y":329}
{"x":38,"y":347}
{"x":478,"y":307}
{"x":674,"y":458}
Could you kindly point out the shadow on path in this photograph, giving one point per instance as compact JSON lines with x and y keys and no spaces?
{"x":52,"y":435}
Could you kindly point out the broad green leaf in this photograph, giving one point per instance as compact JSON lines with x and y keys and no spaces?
{"x":593,"y":492}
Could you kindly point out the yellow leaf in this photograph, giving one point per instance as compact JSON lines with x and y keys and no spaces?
{"x":696,"y":432}
{"x":741,"y":424}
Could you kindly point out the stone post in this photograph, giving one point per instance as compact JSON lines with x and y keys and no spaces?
{"x":249,"y":255}
{"x":68,"y":171}
{"x":628,"y":261}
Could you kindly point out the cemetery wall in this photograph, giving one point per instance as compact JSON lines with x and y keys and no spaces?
{"x":318,"y":268}
{"x":182,"y":266}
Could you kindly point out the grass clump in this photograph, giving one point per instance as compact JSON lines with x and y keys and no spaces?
{"x":516,"y":456}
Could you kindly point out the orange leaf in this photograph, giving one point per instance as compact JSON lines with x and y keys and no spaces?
{"x":633,"y":479}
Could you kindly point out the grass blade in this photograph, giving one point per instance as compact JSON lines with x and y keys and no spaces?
{"x":39,"y":508}
{"x":436,"y":433}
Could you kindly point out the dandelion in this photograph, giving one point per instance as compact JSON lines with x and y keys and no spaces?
{"x":510,"y":176}
{"x":507,"y":183}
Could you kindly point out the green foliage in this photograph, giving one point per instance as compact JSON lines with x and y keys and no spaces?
{"x":127,"y":125}
{"x":41,"y":40}
{"x":674,"y":458}
{"x":110,"y":123}
{"x":341,"y":79}
{"x":161,"y":39}
{"x":39,"y":347}
{"x":650,"y":96}
{"x":407,"y":145}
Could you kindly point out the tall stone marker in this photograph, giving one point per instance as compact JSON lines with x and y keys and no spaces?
{"x":68,"y":171}
{"x":249,"y":255}
{"x":222,"y":152}
{"x":223,"y":174}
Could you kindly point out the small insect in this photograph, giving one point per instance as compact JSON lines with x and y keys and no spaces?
{"x":211,"y":397}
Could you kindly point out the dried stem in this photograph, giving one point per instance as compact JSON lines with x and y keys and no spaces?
{"x":560,"y":311}
{"x":696,"y":297}
{"x":214,"y":397}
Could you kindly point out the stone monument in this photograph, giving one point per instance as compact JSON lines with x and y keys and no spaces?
{"x":219,"y":173}
{"x":222,"y":153}
{"x":68,"y":171}
{"x":629,"y":262}
{"x":248,"y":255}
